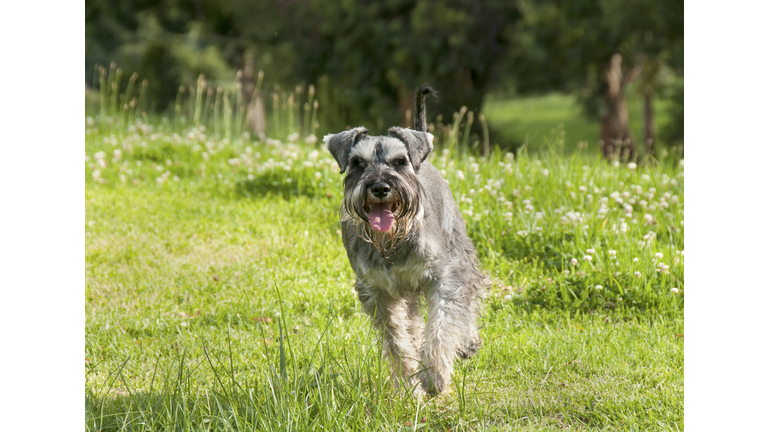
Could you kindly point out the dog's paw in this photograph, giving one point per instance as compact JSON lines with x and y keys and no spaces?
{"x":471,"y":347}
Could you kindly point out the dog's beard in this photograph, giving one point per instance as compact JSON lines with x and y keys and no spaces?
{"x":404,"y":205}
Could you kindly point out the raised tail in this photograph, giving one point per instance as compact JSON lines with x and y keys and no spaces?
{"x":420,"y":119}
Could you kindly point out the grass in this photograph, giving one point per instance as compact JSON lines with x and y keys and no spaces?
{"x":219,"y":296}
{"x":532,"y":120}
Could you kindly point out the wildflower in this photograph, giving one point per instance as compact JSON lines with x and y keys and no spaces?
{"x":658,"y":255}
{"x":508,"y":297}
{"x":460,"y":175}
{"x":123,"y":178}
{"x":96,"y":174}
{"x":591,"y":251}
{"x":638,"y":274}
{"x":648,"y":219}
{"x":612,"y":253}
{"x":293,"y":137}
{"x":587,"y":258}
{"x":318,"y":176}
{"x":582,"y":189}
{"x":574,"y":261}
{"x":545,"y":172}
{"x":598,"y":287}
{"x":522,"y":233}
{"x":311,"y":139}
{"x":632,"y":166}
{"x":675,"y":290}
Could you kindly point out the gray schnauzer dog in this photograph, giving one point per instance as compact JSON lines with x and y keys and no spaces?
{"x":405,"y":239}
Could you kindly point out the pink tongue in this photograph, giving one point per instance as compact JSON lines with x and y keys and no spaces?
{"x":381,"y":217}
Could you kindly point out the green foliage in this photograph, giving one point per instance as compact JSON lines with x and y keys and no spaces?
{"x":567,"y":45}
{"x":370,"y":56}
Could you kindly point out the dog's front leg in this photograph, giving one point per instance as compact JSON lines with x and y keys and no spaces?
{"x":390,"y":317}
{"x":446,"y":326}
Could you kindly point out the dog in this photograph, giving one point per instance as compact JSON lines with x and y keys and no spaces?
{"x":406,"y":241}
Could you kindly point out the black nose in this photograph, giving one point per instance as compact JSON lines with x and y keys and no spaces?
{"x":380,"y":190}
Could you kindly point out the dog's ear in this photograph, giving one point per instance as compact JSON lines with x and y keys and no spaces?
{"x":341,"y":143}
{"x":419,"y":144}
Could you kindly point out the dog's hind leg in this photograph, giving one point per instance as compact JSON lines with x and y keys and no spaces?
{"x":390,"y":318}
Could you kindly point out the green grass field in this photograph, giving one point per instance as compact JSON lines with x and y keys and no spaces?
{"x":534,"y":119}
{"x":219,"y":296}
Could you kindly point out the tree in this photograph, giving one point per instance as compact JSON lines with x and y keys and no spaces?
{"x":567,"y":45}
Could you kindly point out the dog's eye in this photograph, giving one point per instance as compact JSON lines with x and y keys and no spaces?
{"x":399,"y":162}
{"x":358,"y":163}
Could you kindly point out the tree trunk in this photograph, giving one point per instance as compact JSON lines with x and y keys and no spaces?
{"x":256,"y":115}
{"x":616,"y":138}
{"x":650,"y":124}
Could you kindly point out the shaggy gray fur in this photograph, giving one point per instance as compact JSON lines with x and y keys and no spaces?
{"x":425,"y":255}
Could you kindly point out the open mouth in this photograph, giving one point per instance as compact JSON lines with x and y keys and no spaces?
{"x":381,"y":215}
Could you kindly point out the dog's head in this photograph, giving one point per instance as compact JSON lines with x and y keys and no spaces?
{"x":381,"y":189}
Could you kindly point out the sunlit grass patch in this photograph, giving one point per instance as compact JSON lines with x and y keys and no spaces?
{"x":219,"y":296}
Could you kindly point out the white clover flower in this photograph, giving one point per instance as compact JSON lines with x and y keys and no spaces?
{"x":293,"y":137}
{"x":510,"y":156}
{"x":632,"y":166}
{"x":648,"y":219}
{"x":96,"y":174}
{"x":251,"y":177}
{"x":460,"y":175}
{"x":591,"y":251}
{"x":574,"y":261}
{"x":311,"y":139}
{"x":587,"y":258}
{"x":638,"y":274}
{"x":123,"y":178}
{"x":612,"y":252}
{"x":508,"y":297}
{"x":318,"y":175}
{"x":522,"y":233}
{"x":615,"y":164}
{"x":658,"y":255}
{"x":675,"y":290}
{"x":598,"y":287}
{"x":545,"y":172}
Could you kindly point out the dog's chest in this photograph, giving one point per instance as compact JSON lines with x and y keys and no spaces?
{"x":399,"y":279}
